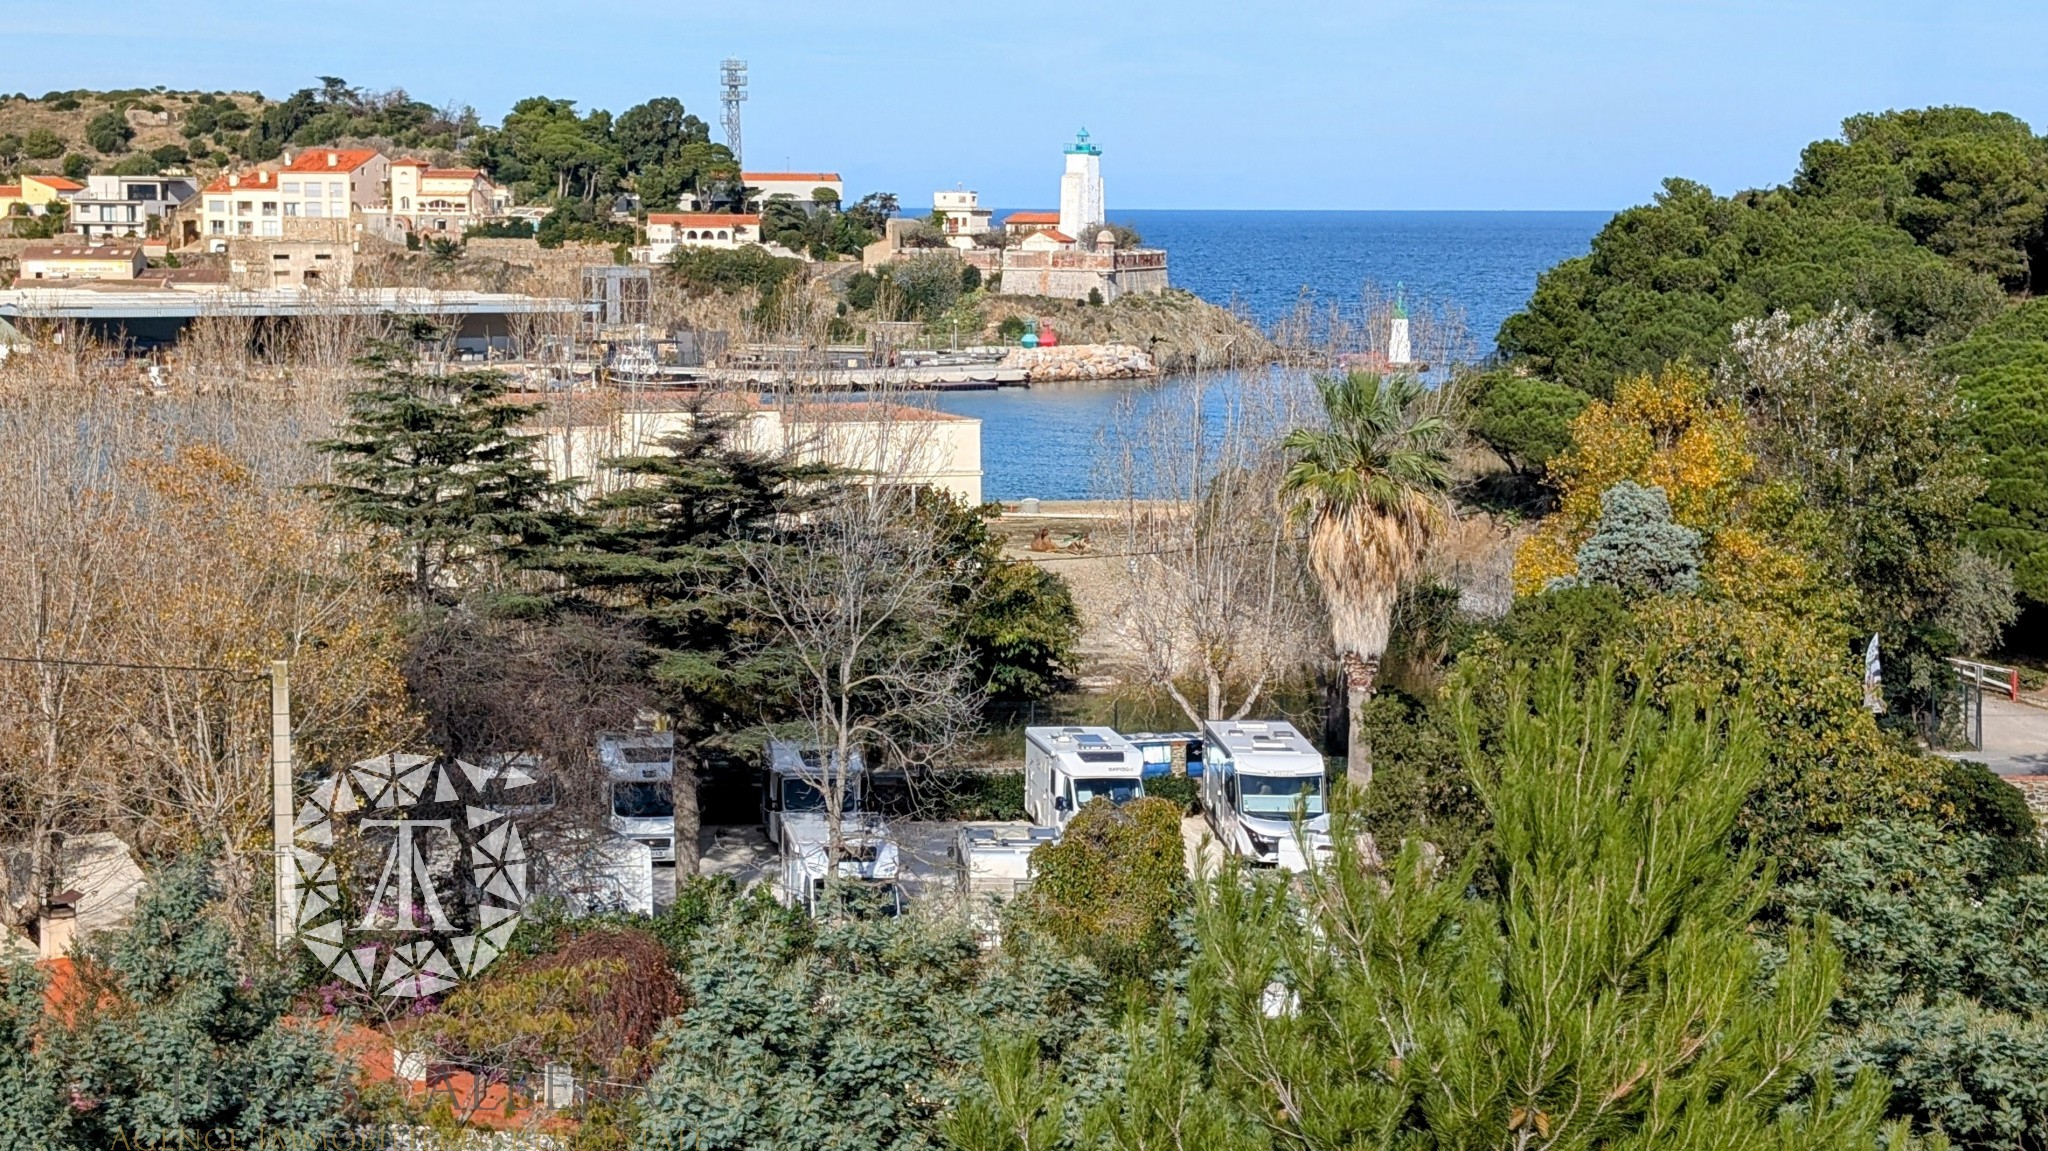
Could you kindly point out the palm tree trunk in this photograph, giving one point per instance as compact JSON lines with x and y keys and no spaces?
{"x":1359,"y":674}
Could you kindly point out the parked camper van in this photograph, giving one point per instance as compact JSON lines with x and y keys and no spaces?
{"x":997,"y":860}
{"x":794,"y":771}
{"x":868,"y":858}
{"x":1067,"y":767}
{"x":1256,"y":777}
{"x":640,"y":771}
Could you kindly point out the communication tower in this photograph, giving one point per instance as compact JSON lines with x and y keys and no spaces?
{"x":735,"y":79}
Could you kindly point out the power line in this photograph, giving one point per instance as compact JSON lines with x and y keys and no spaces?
{"x":243,"y":672}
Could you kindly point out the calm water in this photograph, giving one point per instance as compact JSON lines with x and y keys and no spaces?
{"x":1047,"y":442}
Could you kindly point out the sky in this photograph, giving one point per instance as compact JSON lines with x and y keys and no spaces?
{"x":1337,"y":104}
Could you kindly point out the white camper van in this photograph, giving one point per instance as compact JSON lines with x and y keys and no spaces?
{"x":794,"y":772}
{"x":1067,"y":767}
{"x":640,"y":771}
{"x":1257,"y":776}
{"x":868,"y":857}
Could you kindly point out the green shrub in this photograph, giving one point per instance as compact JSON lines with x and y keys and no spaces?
{"x":969,"y":795}
{"x":1178,"y":790}
{"x":1109,"y":889}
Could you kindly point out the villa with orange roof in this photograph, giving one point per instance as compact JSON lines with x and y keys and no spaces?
{"x":667,"y":231}
{"x":319,"y":183}
{"x":443,"y":200}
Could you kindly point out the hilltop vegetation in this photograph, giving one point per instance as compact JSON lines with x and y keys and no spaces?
{"x":1934,"y":222}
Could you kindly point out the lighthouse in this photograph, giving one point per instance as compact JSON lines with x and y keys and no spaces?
{"x":1081,"y":210}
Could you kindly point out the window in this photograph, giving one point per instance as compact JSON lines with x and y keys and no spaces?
{"x":642,"y":800}
{"x":1277,"y":796}
{"x":291,"y":189}
{"x":243,"y":207}
{"x":721,"y":233}
{"x":291,"y":207}
{"x":270,"y":207}
{"x":1116,"y":791}
{"x":244,"y":228}
{"x":314,"y":208}
{"x":217,"y":207}
{"x":220,"y":227}
{"x":405,"y":203}
{"x":334,"y":191}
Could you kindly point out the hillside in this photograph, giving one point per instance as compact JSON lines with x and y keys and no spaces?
{"x":157,"y":119}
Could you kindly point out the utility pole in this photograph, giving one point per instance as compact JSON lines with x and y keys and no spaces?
{"x":286,"y":879}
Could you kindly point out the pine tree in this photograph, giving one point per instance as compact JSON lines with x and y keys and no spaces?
{"x":435,"y":463}
{"x":170,"y":1042}
{"x":1610,"y":995}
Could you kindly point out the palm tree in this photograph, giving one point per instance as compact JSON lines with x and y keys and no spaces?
{"x":1366,"y":486}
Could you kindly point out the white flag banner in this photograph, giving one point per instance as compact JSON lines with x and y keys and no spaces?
{"x":1873,"y":679}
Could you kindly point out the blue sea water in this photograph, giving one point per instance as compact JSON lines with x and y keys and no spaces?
{"x":1046,"y":441}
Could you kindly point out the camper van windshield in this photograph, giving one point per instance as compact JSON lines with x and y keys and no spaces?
{"x":642,"y":800}
{"x":1117,"y":791}
{"x":799,"y":795}
{"x":1268,"y":795}
{"x":646,"y":754}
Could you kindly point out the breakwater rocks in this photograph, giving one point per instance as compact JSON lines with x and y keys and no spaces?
{"x":1179,"y":331}
{"x":1082,"y":362}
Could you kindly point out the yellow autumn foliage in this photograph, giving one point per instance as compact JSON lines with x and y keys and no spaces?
{"x":1665,"y":431}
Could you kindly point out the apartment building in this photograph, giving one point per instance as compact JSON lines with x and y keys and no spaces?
{"x":319,"y":183}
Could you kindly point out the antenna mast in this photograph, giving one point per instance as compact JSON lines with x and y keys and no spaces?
{"x":735,"y":79}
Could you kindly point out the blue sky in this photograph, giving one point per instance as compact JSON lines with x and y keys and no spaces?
{"x":1197,"y":103}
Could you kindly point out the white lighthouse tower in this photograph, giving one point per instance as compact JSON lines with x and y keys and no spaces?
{"x":1081,"y":210}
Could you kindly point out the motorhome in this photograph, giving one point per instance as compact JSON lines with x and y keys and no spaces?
{"x":996,"y":860}
{"x":867,"y":858}
{"x":1065,"y":768}
{"x":795,"y":778}
{"x":1264,"y":792}
{"x":640,"y":770}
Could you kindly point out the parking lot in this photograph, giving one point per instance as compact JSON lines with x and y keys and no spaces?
{"x":742,"y":851}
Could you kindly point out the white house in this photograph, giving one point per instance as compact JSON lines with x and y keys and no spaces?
{"x":667,"y":231}
{"x":799,"y":186}
{"x":125,"y":205}
{"x":961,"y":216}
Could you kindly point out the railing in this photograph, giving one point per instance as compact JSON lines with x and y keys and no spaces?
{"x":1988,"y":676}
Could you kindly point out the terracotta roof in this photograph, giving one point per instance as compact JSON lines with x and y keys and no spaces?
{"x":411,"y":162}
{"x":703,"y":220}
{"x":256,"y":179}
{"x":1056,"y":234}
{"x":789,"y":177}
{"x":10,"y":191}
{"x":452,"y":173}
{"x":331,"y":160}
{"x":1032,"y":218}
{"x":82,"y":250}
{"x":57,"y":183}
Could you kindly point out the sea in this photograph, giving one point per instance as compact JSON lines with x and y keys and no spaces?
{"x":1051,"y":442}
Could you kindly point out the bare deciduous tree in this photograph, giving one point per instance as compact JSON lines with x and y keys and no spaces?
{"x":1215,"y":603}
{"x":856,"y":601}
